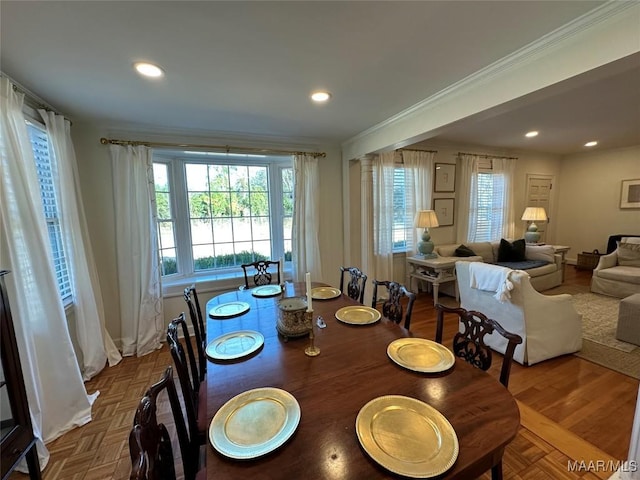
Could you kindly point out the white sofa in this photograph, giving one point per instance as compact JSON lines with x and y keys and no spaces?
{"x":618,"y":273}
{"x":548,"y":324}
{"x":542,"y":278}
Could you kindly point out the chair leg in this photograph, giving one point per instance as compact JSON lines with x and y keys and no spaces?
{"x":496,"y":471}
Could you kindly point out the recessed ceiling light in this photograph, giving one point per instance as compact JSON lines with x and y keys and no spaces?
{"x":320,"y":97}
{"x":531,"y":134}
{"x":591,"y":144}
{"x":148,"y":69}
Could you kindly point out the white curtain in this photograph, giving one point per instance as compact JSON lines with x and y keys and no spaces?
{"x":507,"y":168}
{"x":306,"y":218}
{"x":94,"y":341}
{"x":366,"y":222}
{"x":467,"y":204}
{"x":138,"y":259}
{"x":419,"y":168}
{"x":383,"y":171}
{"x":57,"y":397}
{"x":503,"y":171}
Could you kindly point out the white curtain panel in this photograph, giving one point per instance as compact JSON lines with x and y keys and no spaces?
{"x":306,"y":218}
{"x":58,"y":400}
{"x":467,"y":203}
{"x":507,"y":167}
{"x":139,"y":270}
{"x":419,"y":170}
{"x":93,"y":339}
{"x":366,"y":222}
{"x":383,"y":169}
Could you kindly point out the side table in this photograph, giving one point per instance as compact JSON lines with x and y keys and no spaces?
{"x":562,"y":250}
{"x":435,"y":271}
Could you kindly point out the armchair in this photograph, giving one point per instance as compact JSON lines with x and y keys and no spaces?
{"x":548,"y":324}
{"x":618,"y":273}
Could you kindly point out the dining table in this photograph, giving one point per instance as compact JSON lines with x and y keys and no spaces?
{"x":353,"y":369}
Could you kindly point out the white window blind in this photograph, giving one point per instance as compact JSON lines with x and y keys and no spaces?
{"x":490,"y":206}
{"x":40,"y":145}
{"x":402,"y":218}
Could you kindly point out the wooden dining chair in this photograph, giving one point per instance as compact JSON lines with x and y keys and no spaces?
{"x":392,"y":307}
{"x":469,"y":345}
{"x":262,"y":272}
{"x":150,"y":446}
{"x":200,"y":333}
{"x":357,"y":282}
{"x":194,"y":391}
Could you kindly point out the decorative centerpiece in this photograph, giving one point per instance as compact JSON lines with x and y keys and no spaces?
{"x":292,"y":320}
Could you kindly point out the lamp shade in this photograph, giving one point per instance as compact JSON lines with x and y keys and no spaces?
{"x":534,"y":214}
{"x":425,"y":219}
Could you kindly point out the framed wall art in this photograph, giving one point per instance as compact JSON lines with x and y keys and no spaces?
{"x":630,"y":196}
{"x":445,"y":178}
{"x":444,"y":211}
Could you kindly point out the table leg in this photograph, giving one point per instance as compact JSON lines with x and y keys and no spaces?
{"x":435,"y":292}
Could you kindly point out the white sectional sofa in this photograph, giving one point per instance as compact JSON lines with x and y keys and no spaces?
{"x":542,"y":278}
{"x":548,"y":324}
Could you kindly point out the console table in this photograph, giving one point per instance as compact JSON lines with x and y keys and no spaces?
{"x":434,"y":271}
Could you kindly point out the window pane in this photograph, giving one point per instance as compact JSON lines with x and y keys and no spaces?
{"x":199,"y":205}
{"x":164,"y":211}
{"x":166,"y":235}
{"x":201,"y":232}
{"x":259,"y":204}
{"x":261,"y":228}
{"x":230,"y":215}
{"x":196,"y":177}
{"x":222,"y":231}
{"x":258,"y":179}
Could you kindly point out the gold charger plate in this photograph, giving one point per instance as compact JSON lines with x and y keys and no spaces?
{"x":229,"y":309}
{"x":421,"y":355}
{"x":325,"y":293}
{"x":358,"y":315}
{"x":254,"y":423}
{"x":266,"y":291}
{"x":234,"y":345}
{"x":407,"y":436}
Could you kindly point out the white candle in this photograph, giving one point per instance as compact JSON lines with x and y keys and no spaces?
{"x":308,"y":279}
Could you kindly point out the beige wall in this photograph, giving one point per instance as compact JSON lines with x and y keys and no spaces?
{"x":589,"y":197}
{"x":96,"y":179}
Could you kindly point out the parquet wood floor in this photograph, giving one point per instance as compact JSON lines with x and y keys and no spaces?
{"x":571,"y":410}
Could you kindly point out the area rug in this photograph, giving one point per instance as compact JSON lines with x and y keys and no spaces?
{"x":599,"y":323}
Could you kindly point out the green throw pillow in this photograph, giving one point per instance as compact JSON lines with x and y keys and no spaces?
{"x":464,"y":251}
{"x":511,"y":252}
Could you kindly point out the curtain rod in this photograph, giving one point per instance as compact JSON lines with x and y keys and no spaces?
{"x":415,"y":150}
{"x":485,"y":156}
{"x":223,"y":148}
{"x":31,"y":99}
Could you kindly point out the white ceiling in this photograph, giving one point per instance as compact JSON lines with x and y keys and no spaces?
{"x":247,"y":68}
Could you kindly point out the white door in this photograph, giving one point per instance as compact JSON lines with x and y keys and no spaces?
{"x":539,"y":195}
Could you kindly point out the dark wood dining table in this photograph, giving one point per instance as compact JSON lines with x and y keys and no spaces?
{"x":352,"y":368}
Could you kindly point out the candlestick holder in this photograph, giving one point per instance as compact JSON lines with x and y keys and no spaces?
{"x":311,"y":350}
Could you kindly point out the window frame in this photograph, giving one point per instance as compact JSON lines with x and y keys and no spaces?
{"x":408,"y":218}
{"x":488,"y":171}
{"x":176,"y":175}
{"x":65,"y":288}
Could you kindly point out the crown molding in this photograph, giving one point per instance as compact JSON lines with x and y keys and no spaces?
{"x":523,"y":56}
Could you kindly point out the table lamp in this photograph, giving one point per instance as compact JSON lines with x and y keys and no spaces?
{"x":533,"y":214}
{"x":425,"y":219}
